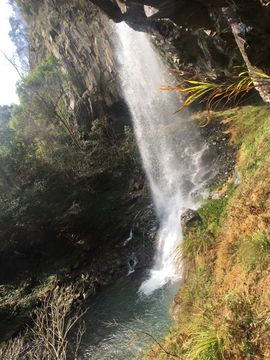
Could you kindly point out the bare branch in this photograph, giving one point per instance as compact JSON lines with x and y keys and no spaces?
{"x":13,"y":63}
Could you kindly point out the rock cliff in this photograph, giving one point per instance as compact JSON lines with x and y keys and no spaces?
{"x":208,"y":38}
{"x":215,"y":24}
{"x":79,"y":36}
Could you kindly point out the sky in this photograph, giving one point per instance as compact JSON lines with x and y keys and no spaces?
{"x":8,"y":75}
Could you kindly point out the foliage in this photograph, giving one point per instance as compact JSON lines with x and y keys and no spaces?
{"x":56,"y":201}
{"x":42,"y":101}
{"x":51,"y":190}
{"x":215,"y":93}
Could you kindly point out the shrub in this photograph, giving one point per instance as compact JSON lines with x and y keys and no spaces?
{"x":49,"y":338}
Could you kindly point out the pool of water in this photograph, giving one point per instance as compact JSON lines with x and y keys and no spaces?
{"x":119,"y":318}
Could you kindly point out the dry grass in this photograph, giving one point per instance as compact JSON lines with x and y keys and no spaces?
{"x":228,"y":282}
{"x":14,"y":349}
{"x":49,"y":338}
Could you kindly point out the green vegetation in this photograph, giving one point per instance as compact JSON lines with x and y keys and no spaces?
{"x":213,"y":94}
{"x":207,"y":340}
{"x":251,"y":132}
{"x":223,"y":304}
{"x":43,"y":101}
{"x":62,"y":197}
{"x":47,"y":171}
{"x":202,"y":234}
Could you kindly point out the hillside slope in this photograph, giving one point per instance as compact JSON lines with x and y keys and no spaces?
{"x":223,"y":306}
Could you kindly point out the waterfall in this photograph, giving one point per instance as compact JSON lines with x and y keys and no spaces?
{"x":170,"y":146}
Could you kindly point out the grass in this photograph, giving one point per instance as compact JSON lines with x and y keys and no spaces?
{"x":250,"y":129}
{"x":224,"y":303}
{"x":16,"y":304}
{"x":200,"y":238}
{"x":244,"y":322}
{"x":207,"y":340}
{"x":52,"y":324}
{"x":254,"y":250}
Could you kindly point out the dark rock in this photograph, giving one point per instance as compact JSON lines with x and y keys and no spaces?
{"x":187,"y":13}
{"x":189,"y":218}
{"x":219,"y":146}
{"x":197,"y":52}
{"x":209,"y":22}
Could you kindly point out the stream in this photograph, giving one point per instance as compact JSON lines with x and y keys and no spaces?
{"x":119,"y":318}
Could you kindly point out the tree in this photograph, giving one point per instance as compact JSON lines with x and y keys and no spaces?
{"x":43,"y":100}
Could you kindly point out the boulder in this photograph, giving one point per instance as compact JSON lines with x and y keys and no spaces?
{"x":189,"y":218}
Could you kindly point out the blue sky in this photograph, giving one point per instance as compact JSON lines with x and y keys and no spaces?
{"x":8,"y":75}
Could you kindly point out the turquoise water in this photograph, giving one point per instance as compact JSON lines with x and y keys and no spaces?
{"x":118,"y":317}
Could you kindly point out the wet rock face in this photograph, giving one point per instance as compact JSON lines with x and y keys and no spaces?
{"x":218,"y":143}
{"x":146,"y":224}
{"x":205,"y":56}
{"x":134,"y":250}
{"x":188,"y":13}
{"x":197,"y":38}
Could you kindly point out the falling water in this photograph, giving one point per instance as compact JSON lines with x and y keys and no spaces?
{"x":170,"y":146}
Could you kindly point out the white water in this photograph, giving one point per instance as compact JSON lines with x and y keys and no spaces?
{"x":169,"y":144}
{"x":130,"y":237}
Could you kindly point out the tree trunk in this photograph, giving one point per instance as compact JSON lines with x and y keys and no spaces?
{"x":261,"y":82}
